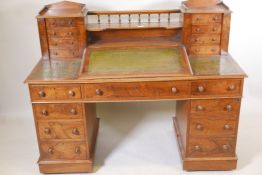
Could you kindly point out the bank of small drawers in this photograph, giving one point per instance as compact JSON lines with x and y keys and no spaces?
{"x":212,"y":127}
{"x":63,"y":37}
{"x":206,"y":34}
{"x":61,"y":131}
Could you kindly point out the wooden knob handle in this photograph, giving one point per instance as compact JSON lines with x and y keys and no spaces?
{"x":99,"y":92}
{"x":44,"y":112}
{"x":200,"y":89}
{"x":225,"y":147}
{"x":231,"y":87}
{"x":200,"y":108}
{"x":198,"y":29}
{"x":71,"y":93}
{"x":174,"y":90}
{"x":73,"y":111}
{"x":213,"y":39}
{"x":197,"y":39}
{"x":198,"y":18}
{"x":215,"y":18}
{"x":50,"y":150}
{"x":214,"y":29}
{"x":75,"y":131}
{"x":41,"y":94}
{"x":70,"y":33}
{"x":227,"y":127}
{"x":47,"y":131}
{"x":197,"y":148}
{"x":77,"y":150}
{"x":228,"y":107}
{"x":199,"y":127}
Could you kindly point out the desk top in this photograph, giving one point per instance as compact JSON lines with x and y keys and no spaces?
{"x":127,"y":65}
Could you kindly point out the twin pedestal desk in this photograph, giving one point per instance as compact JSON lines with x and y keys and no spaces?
{"x":124,"y":56}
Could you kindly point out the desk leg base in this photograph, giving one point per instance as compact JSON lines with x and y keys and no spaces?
{"x":203,"y":163}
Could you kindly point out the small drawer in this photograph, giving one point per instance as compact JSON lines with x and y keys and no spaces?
{"x":229,"y":87}
{"x":205,"y":39}
{"x":212,"y":127}
{"x":55,"y":92}
{"x":135,"y":91}
{"x":205,"y":29}
{"x":59,"y":43}
{"x":64,"y":53}
{"x":228,"y":107}
{"x":63,"y":150}
{"x":206,"y":18}
{"x":61,"y":22}
{"x":58,"y":111}
{"x":211,"y":147}
{"x":205,"y":50}
{"x":69,"y":32}
{"x":61,"y":130}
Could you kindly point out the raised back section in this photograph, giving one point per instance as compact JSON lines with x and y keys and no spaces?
{"x":119,"y":25}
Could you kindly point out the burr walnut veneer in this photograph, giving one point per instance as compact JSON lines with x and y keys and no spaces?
{"x":117,"y":56}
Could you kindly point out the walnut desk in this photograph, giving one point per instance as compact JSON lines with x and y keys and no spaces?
{"x":149,"y":56}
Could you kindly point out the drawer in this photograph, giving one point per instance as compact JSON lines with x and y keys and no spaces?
{"x":61,"y":130}
{"x":69,"y":32}
{"x":205,"y":29}
{"x":205,"y":50}
{"x":215,"y":108}
{"x":229,"y":87}
{"x":137,"y":90}
{"x":58,"y":111}
{"x":61,"y":22}
{"x":59,"y":43}
{"x":212,"y":127}
{"x":63,"y":150}
{"x":211,"y":147}
{"x":63,"y":53}
{"x":205,"y":39}
{"x":206,"y":18}
{"x":55,"y":92}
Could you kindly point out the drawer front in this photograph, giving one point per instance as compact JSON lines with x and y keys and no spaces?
{"x":211,"y":147}
{"x":63,"y":151}
{"x":206,"y":18}
{"x":205,"y":50}
{"x":215,"y":108}
{"x":138,"y":90}
{"x":204,"y":29}
{"x":205,"y":39}
{"x":55,"y":92}
{"x":212,"y":127}
{"x":59,"y":43}
{"x":69,"y":32}
{"x":61,"y":22}
{"x":230,"y":87}
{"x":61,"y":130}
{"x":58,"y":111}
{"x":62,"y":53}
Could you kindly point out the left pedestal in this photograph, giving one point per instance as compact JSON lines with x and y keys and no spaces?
{"x":66,"y":136}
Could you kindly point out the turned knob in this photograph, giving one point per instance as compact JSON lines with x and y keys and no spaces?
{"x":227,"y":127}
{"x":197,"y":39}
{"x":54,"y":33}
{"x":197,"y":50}
{"x":71,"y":93}
{"x":73,"y":111}
{"x":75,"y":131}
{"x":200,"y":108}
{"x":44,"y":112}
{"x":214,"y":29}
{"x":70,"y":22}
{"x":174,"y":90}
{"x":99,"y":92}
{"x":47,"y":130}
{"x":213,"y":39}
{"x":225,"y":147}
{"x":198,"y":29}
{"x":70,"y":33}
{"x":197,"y":148}
{"x":50,"y":150}
{"x":41,"y":94}
{"x":77,"y":150}
{"x":229,"y":107}
{"x":199,"y":127}
{"x":231,"y":87}
{"x":198,"y":18}
{"x":200,"y":88}
{"x":215,"y":18}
